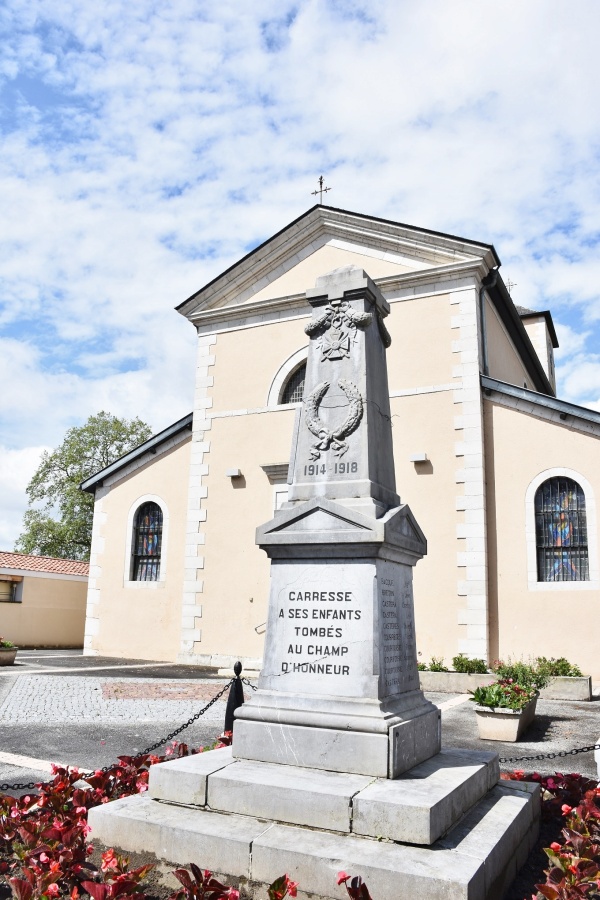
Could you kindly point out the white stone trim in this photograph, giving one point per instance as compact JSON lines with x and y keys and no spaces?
{"x":287,"y":369}
{"x":92,"y":610}
{"x":193,"y":583}
{"x":590,"y":507}
{"x":128,"y":582}
{"x":260,"y":410}
{"x":471,"y":532}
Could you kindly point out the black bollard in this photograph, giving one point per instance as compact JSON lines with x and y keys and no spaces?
{"x":235,"y":698}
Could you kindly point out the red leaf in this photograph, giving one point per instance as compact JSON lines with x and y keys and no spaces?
{"x":97,"y":891}
{"x":21,"y":889}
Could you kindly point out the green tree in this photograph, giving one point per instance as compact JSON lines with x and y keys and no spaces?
{"x":62,"y":526}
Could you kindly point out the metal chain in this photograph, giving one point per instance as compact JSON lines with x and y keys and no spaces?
{"x":30,"y":785}
{"x":558,"y":754}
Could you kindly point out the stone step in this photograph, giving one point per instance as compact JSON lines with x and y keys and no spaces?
{"x":477,"y":860}
{"x":418,"y":807}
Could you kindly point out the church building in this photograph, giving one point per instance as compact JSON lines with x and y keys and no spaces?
{"x":500,"y":474}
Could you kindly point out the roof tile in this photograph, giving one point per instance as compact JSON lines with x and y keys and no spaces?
{"x":25,"y":561}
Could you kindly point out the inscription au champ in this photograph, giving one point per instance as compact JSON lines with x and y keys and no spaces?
{"x":320,"y":652}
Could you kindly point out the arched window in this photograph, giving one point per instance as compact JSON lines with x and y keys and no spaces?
{"x":561,"y":531}
{"x":147,"y":540}
{"x":293,"y":390}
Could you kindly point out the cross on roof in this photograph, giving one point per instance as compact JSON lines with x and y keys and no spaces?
{"x":320,"y":190}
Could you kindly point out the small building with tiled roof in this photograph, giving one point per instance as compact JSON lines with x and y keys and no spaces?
{"x":42,"y":600}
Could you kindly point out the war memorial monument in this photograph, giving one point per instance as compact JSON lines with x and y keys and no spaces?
{"x":336,"y":762}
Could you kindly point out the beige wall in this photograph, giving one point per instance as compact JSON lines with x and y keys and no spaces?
{"x":51,"y":613}
{"x":303,"y":274}
{"x":553,"y":620}
{"x":504,"y":363}
{"x":236,"y":572}
{"x":141,"y":620}
{"x":425,"y":423}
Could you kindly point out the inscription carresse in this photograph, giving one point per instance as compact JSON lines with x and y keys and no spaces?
{"x":313,"y":646}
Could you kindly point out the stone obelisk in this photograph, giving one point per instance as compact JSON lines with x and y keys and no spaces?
{"x":339,"y":689}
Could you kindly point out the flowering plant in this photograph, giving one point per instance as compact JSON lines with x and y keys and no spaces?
{"x":504,"y":694}
{"x":574,"y":870}
{"x":6,"y":644}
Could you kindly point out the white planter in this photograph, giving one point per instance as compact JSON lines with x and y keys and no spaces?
{"x":7,"y":655}
{"x":559,"y":688}
{"x":504,"y":724}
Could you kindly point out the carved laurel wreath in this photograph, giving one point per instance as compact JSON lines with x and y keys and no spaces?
{"x":327,"y":437}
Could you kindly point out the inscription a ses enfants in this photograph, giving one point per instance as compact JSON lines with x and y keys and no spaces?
{"x":315,"y":639}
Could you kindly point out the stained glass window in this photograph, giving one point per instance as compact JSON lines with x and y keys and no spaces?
{"x":561,"y":531}
{"x":293,"y":391}
{"x":147,"y":542}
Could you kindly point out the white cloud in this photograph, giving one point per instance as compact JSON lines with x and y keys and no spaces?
{"x":15,"y":473}
{"x":145,"y":148}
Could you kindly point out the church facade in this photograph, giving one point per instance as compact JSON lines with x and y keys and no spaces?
{"x":500,"y":474}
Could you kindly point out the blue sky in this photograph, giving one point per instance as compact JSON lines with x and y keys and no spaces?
{"x":146,"y":146}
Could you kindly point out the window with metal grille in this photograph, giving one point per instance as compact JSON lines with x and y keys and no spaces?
{"x":561,"y":531}
{"x":147,"y":540}
{"x":293,"y":391}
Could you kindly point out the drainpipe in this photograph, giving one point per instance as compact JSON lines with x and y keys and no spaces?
{"x":488,"y":282}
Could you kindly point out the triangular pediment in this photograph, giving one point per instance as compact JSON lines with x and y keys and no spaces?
{"x":321,"y":240}
{"x":319,"y":516}
{"x":402,"y":523}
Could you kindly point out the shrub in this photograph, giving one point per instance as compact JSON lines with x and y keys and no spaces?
{"x":525,"y":674}
{"x":6,"y":644}
{"x":422,"y":667}
{"x":504,"y":694}
{"x":574,"y":870}
{"x":554,"y":668}
{"x":462,"y":663}
{"x":437,"y":664}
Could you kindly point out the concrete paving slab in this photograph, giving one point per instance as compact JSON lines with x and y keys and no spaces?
{"x":423,"y":804}
{"x":477,"y":862}
{"x":178,"y":834}
{"x":494,"y":831}
{"x":185,"y":780}
{"x":286,"y":793}
{"x":314,"y":859}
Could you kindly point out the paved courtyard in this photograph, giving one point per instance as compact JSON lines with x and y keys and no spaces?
{"x":59,"y":706}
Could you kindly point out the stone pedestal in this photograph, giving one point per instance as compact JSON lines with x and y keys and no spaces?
{"x":443,"y":830}
{"x":339,"y":689}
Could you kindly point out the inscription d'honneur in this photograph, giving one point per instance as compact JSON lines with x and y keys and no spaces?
{"x":339,"y":659}
{"x":316,"y":648}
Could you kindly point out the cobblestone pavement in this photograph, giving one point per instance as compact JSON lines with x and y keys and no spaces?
{"x":41,"y":699}
{"x":85,"y":711}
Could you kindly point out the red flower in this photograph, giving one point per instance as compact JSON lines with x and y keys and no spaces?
{"x":342,"y":878}
{"x":566,"y":809}
{"x":555,"y":846}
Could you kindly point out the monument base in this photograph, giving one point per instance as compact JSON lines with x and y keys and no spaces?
{"x":384,"y":755}
{"x":444,"y":829}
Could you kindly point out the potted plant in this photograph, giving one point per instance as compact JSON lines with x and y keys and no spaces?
{"x":504,"y":709}
{"x":8,"y":652}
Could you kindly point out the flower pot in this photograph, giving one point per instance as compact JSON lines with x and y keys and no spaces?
{"x":7,"y":655}
{"x":498,"y":724}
